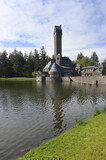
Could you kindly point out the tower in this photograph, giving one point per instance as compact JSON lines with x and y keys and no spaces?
{"x":57,"y":41}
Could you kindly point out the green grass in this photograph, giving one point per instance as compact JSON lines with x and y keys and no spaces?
{"x":104,"y":110}
{"x":18,"y":79}
{"x":80,"y":122}
{"x":97,"y":112}
{"x":85,"y":142}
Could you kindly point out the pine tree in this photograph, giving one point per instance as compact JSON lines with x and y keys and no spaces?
{"x":95,"y":58}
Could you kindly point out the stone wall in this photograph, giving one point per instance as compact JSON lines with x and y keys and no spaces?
{"x":66,"y":79}
{"x":40,"y":79}
{"x":90,"y":80}
{"x":48,"y":79}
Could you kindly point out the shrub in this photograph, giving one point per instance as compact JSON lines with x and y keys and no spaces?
{"x":54,"y":158}
{"x":97,"y":112}
{"x":80,"y":122}
{"x":103,"y":109}
{"x":34,"y":74}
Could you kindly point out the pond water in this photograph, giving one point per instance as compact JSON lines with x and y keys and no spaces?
{"x":31,"y":113}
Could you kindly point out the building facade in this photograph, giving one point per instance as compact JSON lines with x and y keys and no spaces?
{"x":62,"y":67}
{"x":59,"y":66}
{"x":92,"y":70}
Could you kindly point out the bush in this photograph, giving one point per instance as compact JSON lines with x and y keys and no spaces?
{"x":54,"y":158}
{"x":104,"y":110}
{"x":80,"y":122}
{"x":97,"y":112}
{"x":34,"y":74}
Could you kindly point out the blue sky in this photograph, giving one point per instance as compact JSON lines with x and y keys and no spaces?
{"x":29,"y":24}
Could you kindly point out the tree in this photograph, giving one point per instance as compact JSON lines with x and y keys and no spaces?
{"x":28,"y":67}
{"x":85,"y":61}
{"x":17,"y":60}
{"x":43,"y":58}
{"x":74,"y":62}
{"x":95,"y":58}
{"x":18,"y":65}
{"x":36,"y":60}
{"x":104,"y":60}
{"x":4,"y":65}
{"x":80,"y":56}
{"x":25,"y":56}
{"x":34,"y":74}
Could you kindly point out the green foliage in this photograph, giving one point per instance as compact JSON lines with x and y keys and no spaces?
{"x":4,"y":65}
{"x":81,"y":143}
{"x":85,"y":61}
{"x":18,"y":79}
{"x":97,"y":112}
{"x":80,"y":122}
{"x":103,"y":109}
{"x":53,"y":158}
{"x":94,"y":57}
{"x":34,"y":74}
{"x":19,"y":65}
{"x":36,"y":60}
{"x":74,"y":62}
{"x":79,"y":56}
{"x":43,"y":58}
{"x":104,"y":60}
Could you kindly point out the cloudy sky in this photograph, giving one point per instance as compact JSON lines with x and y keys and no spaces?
{"x":29,"y":24}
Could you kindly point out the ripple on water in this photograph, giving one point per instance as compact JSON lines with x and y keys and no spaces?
{"x":32,"y":113}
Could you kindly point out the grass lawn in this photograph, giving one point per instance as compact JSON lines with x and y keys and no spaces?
{"x":18,"y":79}
{"x":87,"y":141}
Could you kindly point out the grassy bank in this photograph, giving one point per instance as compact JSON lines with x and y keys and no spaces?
{"x":87,"y":141}
{"x":18,"y":79}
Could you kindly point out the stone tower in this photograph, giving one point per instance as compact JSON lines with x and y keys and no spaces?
{"x":57,"y":42}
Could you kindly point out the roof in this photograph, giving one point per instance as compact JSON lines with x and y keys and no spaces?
{"x":95,"y":69}
{"x":77,"y":66}
{"x":90,"y":67}
{"x":66,"y":62}
{"x":48,"y":66}
{"x":102,"y":65}
{"x":55,"y":68}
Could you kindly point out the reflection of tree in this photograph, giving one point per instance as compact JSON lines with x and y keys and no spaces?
{"x":20,"y":96}
{"x":89,"y":92}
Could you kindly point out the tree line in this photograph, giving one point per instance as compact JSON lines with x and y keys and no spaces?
{"x":17,"y":64}
{"x":86,"y":61}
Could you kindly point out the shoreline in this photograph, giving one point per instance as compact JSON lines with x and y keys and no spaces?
{"x":83,"y":134}
{"x":18,"y":79}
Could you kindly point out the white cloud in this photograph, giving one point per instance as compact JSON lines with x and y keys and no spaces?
{"x":101,"y":52}
{"x":32,"y":21}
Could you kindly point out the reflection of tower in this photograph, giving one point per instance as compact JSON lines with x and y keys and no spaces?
{"x":57,"y":43}
{"x":58,"y":110}
{"x":58,"y":117}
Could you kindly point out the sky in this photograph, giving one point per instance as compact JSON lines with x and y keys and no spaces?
{"x":28,"y":24}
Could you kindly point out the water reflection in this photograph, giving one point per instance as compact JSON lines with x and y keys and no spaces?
{"x":31,"y":112}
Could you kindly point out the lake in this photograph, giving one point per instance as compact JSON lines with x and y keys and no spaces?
{"x":31,"y":113}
